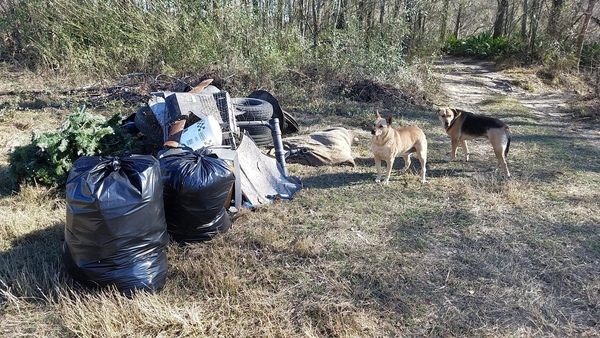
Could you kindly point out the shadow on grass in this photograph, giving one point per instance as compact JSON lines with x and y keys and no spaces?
{"x":32,"y":266}
{"x":474,"y":268}
{"x":334,"y":180}
{"x":6,"y":185}
{"x":435,"y":169}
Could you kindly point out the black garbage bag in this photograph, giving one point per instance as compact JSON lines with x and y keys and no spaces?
{"x":197,"y":186}
{"x":116,"y":232}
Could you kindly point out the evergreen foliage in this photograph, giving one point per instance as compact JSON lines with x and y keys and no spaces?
{"x":49,"y":156}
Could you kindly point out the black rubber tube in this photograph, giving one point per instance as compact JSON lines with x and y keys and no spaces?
{"x":276,"y":132}
{"x":279,"y":151}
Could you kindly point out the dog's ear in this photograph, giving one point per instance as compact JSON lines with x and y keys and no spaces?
{"x":377,"y":114}
{"x":389,"y":119}
{"x":456,"y":112}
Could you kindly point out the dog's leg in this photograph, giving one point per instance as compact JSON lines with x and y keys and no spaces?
{"x":452,"y":155}
{"x":499,"y":152}
{"x":463,"y":145}
{"x":406,"y":162}
{"x":378,"y":167}
{"x":390,"y":165}
{"x":422,"y":156}
{"x":499,"y":143}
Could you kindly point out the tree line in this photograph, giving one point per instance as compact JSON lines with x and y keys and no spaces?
{"x":536,"y":30}
{"x":419,"y":23}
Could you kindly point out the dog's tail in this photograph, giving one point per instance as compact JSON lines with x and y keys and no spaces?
{"x":509,"y":135}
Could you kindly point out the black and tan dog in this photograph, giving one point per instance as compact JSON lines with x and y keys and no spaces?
{"x":462,"y":126}
{"x":387,"y":143}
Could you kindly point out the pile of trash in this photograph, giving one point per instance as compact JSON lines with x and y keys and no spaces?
{"x":205,"y":165}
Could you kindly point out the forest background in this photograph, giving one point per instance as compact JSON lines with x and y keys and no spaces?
{"x":288,"y":44}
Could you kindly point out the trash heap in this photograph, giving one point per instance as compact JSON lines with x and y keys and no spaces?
{"x":122,"y":211}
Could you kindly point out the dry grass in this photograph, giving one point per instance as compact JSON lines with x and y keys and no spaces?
{"x":467,"y":254}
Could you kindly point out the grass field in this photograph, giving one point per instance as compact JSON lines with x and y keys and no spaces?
{"x":467,"y":254}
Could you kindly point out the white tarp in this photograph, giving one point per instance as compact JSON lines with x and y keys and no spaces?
{"x":262,"y":177}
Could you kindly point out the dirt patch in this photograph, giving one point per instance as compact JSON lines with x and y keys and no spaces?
{"x":467,"y":83}
{"x":370,"y":91}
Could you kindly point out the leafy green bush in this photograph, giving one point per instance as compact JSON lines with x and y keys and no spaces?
{"x":590,"y":55}
{"x":481,"y":46}
{"x":49,"y":157}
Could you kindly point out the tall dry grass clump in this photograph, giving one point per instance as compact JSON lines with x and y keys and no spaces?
{"x":228,"y":40}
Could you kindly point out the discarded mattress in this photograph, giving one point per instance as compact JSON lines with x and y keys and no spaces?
{"x":261,"y":176}
{"x":328,"y":147}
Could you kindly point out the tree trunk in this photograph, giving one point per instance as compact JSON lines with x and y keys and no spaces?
{"x":409,"y":8}
{"x":444,"y":23}
{"x":509,"y":19}
{"x":584,"y":27}
{"x":553,"y":29}
{"x":315,"y":22}
{"x":396,"y":9}
{"x":598,"y":82}
{"x":362,"y":9}
{"x":534,"y":23}
{"x":524,"y":21}
{"x":301,"y":17}
{"x":458,"y":21}
{"x":499,"y":24}
{"x":340,"y":22}
{"x":279,"y":15}
{"x":370,"y":18}
{"x":381,"y":12}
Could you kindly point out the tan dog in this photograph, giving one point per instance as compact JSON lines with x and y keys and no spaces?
{"x":387,"y":143}
{"x":461,"y":126}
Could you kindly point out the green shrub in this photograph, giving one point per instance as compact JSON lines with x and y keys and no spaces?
{"x":49,"y":156}
{"x":481,"y":46}
{"x":590,"y":55}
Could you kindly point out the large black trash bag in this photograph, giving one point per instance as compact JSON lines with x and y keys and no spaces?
{"x":197,"y":185}
{"x":116,"y":232}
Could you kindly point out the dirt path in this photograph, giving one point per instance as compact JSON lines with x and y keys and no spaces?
{"x":467,"y":82}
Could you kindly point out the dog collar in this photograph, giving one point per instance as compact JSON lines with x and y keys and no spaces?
{"x":451,"y":123}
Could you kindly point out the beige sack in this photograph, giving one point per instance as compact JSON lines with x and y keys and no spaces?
{"x":327,"y":147}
